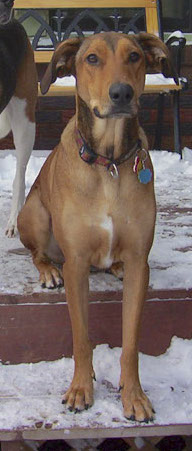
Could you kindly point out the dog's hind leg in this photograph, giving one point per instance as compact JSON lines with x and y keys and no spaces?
{"x":34,"y":226}
{"x":24,"y":137}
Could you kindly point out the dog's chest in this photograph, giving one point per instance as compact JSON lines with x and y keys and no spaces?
{"x":105,"y":241}
{"x":107,"y":227}
{"x":108,"y":224}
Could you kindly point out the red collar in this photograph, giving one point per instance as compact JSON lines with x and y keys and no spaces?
{"x":89,"y":156}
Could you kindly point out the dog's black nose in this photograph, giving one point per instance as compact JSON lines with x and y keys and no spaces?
{"x":120,"y":93}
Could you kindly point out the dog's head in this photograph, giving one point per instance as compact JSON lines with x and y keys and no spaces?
{"x":5,"y":11}
{"x":110,"y":69}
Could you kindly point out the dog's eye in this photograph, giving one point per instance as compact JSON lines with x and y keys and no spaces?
{"x":92,"y":58}
{"x":134,"y":57}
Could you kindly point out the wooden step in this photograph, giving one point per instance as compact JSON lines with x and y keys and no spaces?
{"x":40,"y":329}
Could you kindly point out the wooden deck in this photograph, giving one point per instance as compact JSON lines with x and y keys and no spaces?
{"x":39,"y":327}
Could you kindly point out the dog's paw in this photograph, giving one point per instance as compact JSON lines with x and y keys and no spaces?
{"x":117,"y":269}
{"x":51,"y":278}
{"x":11,"y":230}
{"x":79,"y":396}
{"x":137,"y":406}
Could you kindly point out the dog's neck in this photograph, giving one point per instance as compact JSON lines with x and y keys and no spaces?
{"x":109,"y":137}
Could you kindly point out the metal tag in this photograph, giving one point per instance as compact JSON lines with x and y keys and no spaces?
{"x":113,"y":170}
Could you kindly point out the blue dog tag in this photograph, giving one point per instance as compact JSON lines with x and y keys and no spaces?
{"x":145,"y":176}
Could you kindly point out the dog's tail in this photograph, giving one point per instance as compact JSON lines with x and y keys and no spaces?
{"x":5,"y":126}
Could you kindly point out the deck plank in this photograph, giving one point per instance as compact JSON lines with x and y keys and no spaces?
{"x":95,"y":432}
{"x":42,"y":331}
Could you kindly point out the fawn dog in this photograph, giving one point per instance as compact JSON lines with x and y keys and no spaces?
{"x":93,"y":201}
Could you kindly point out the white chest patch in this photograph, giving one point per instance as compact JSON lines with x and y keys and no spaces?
{"x":107,"y":224}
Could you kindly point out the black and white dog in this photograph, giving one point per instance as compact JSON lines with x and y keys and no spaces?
{"x":18,"y":95}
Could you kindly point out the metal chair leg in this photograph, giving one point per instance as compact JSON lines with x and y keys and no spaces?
{"x":177,"y":131}
{"x":159,"y":123}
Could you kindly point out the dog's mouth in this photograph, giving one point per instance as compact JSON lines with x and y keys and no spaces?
{"x":127,"y":111}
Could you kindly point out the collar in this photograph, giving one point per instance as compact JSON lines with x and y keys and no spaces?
{"x":89,"y":156}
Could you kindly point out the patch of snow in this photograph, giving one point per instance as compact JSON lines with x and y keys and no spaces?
{"x":150,"y":79}
{"x":158,"y":79}
{"x":32,"y":393}
{"x":65,"y":81}
{"x":177,"y":34}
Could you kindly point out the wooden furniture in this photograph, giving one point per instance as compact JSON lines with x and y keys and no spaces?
{"x":69,"y":16}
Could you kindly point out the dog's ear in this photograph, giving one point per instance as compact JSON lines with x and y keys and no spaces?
{"x":62,"y":63}
{"x":157,"y":55}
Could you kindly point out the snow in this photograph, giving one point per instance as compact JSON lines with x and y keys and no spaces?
{"x":158,"y":79}
{"x":30,"y":394}
{"x":150,"y":79}
{"x":177,"y":34}
{"x":171,"y":256}
{"x":65,"y":81}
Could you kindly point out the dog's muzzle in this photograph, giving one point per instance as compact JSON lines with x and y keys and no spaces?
{"x":121,"y":94}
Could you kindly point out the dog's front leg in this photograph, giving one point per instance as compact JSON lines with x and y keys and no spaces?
{"x":135,"y":402}
{"x":79,"y":396}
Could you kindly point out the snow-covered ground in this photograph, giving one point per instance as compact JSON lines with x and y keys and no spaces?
{"x":171,"y":255}
{"x":31,"y":393}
